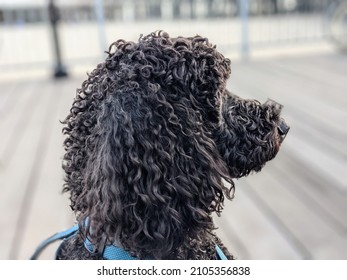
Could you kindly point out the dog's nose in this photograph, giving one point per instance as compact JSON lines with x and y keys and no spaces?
{"x":283,"y":129}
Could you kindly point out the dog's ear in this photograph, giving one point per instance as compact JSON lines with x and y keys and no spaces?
{"x":250,"y":134}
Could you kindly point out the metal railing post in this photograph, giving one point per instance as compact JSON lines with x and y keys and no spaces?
{"x":243,"y":8}
{"x":59,"y":69}
{"x":100,"y":18}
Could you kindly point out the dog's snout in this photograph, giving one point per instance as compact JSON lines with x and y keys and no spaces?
{"x":283,"y":128}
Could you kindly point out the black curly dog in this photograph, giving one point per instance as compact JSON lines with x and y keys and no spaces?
{"x":153,"y":141}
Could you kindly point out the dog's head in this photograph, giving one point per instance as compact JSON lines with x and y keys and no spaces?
{"x":146,"y":153}
{"x":140,"y":162}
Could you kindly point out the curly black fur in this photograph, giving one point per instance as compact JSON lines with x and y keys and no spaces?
{"x":150,"y":137}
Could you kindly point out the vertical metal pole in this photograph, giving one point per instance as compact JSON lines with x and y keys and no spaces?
{"x":243,"y":6}
{"x":59,"y":70}
{"x":100,"y":18}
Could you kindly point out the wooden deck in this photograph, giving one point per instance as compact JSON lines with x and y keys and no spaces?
{"x":295,"y":208}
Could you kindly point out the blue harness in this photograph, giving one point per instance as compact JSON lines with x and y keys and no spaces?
{"x":110,"y":252}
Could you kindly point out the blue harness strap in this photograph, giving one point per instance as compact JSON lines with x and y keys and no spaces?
{"x":220,"y":253}
{"x":109,"y":252}
{"x":58,"y":236}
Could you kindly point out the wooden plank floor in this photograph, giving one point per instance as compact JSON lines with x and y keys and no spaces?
{"x":294,"y":209}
